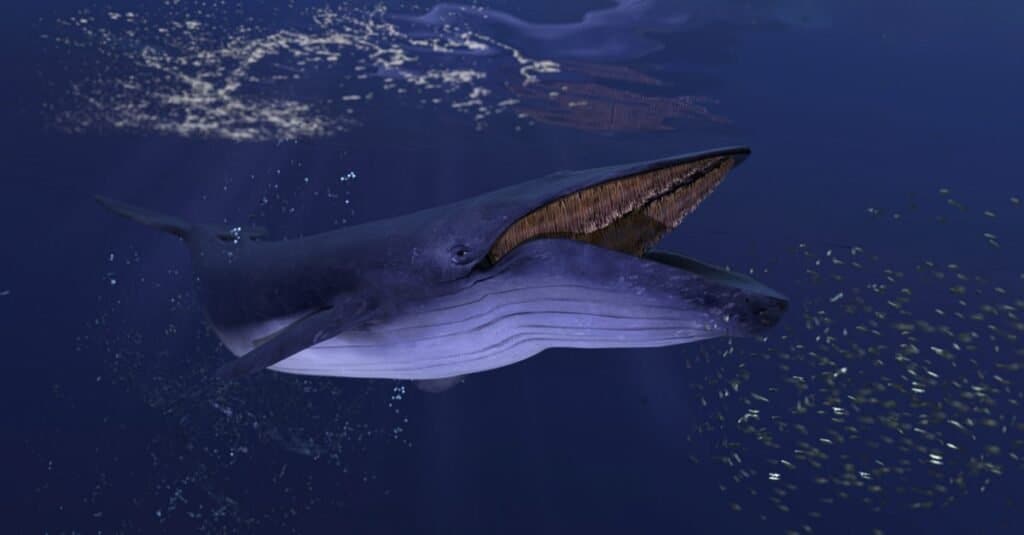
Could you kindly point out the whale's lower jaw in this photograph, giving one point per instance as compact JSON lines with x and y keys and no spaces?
{"x":487,"y":329}
{"x":338,"y":357}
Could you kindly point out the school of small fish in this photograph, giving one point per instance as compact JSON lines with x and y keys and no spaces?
{"x":899,"y":387}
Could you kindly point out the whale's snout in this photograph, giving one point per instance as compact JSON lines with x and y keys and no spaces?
{"x":760,"y":313}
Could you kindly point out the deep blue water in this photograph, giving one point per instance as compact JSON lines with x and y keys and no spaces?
{"x":846,"y":106}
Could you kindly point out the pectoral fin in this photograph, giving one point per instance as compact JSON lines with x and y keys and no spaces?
{"x":312,"y":329}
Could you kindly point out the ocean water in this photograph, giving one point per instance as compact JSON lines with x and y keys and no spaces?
{"x":882,"y":196}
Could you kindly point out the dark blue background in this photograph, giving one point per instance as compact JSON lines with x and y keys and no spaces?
{"x":895,"y":99}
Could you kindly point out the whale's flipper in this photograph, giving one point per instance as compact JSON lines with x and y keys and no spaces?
{"x":169,"y":224}
{"x":173,"y":225}
{"x":319,"y":325}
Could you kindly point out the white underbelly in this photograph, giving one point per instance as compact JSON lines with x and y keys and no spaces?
{"x":468,"y":335}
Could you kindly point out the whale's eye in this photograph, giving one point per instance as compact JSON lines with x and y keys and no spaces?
{"x":461,"y":254}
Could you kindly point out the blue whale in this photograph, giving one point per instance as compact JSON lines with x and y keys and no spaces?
{"x":565,"y":260}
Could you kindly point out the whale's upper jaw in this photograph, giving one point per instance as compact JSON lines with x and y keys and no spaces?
{"x":629,"y":210}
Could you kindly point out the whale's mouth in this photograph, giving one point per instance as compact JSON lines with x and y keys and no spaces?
{"x":629,"y":214}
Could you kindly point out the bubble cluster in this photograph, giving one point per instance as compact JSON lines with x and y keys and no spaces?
{"x":189,"y":69}
{"x":192,"y":69}
{"x":312,"y":438}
